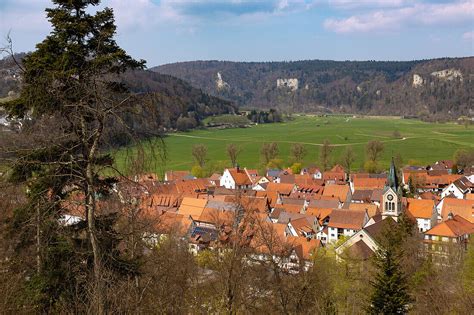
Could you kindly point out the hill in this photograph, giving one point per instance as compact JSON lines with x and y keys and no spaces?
{"x":172,"y":100}
{"x":438,"y":87}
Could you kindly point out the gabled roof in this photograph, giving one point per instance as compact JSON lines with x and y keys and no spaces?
{"x":420,"y":208}
{"x":176,"y":175}
{"x":303,"y":224}
{"x":369,"y":183}
{"x":375,"y":230}
{"x":362,"y":195}
{"x":371,"y":208}
{"x":192,"y":207}
{"x":320,"y":213}
{"x":304,"y":248}
{"x":290,"y":208}
{"x":347,"y":219}
{"x":284,"y":189}
{"x":462,"y":207}
{"x":240,"y":176}
{"x":321,"y":203}
{"x":455,"y":227}
{"x":338,"y":191}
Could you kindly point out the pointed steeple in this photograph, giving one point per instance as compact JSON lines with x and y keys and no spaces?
{"x":392,"y":180}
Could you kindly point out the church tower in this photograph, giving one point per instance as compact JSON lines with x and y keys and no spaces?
{"x":392,"y":195}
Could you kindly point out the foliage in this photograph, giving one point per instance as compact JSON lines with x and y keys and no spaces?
{"x":296,"y":168}
{"x":231,"y":120}
{"x":376,"y":87}
{"x":390,"y":288}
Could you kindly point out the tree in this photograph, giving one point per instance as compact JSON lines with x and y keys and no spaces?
{"x":373,"y":150}
{"x":396,"y":134}
{"x":298,"y":152}
{"x":325,"y":155}
{"x":199,"y":152}
{"x":233,"y":152}
{"x":464,"y":158}
{"x":390,"y":287}
{"x":296,"y":168}
{"x":269,"y":151}
{"x":72,"y":79}
{"x":347,"y":158}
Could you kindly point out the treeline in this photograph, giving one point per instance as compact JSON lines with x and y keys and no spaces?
{"x":373,"y":87}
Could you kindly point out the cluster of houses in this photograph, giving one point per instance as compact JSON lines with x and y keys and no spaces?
{"x":290,"y":217}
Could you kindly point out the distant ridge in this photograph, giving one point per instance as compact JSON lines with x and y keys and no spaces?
{"x":414,"y":88}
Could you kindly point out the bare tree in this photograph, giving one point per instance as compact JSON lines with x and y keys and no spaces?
{"x":347,"y":158}
{"x":233,"y":152}
{"x":269,"y":151}
{"x":325,"y":155}
{"x":298,"y":152}
{"x":373,"y":150}
{"x":199,"y":152}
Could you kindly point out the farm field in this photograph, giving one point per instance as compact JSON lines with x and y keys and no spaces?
{"x":420,"y":142}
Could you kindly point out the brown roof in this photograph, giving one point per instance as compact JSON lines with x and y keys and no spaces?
{"x":359,"y":250}
{"x":347,"y":219}
{"x":303,"y":224}
{"x":176,"y":175}
{"x":338,"y":191}
{"x":305,"y":248}
{"x":369,"y":183}
{"x":455,"y":227}
{"x":290,"y":208}
{"x":192,"y":207}
{"x":284,"y":189}
{"x":420,"y":208}
{"x":371,"y":208}
{"x":462,"y":207}
{"x":240,"y":176}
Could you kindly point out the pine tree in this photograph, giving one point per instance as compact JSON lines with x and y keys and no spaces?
{"x":71,"y":83}
{"x":390,"y":291}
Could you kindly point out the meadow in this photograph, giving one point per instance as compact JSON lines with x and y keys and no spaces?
{"x":420,"y":142}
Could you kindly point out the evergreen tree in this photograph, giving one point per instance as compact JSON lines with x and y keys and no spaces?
{"x":70,"y":83}
{"x":390,"y":290}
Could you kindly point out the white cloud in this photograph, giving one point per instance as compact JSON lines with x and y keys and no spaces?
{"x":349,"y":4}
{"x":469,"y":36}
{"x":392,"y":19}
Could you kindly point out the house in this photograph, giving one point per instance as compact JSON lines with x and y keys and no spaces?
{"x":460,"y":187}
{"x":367,"y":183}
{"x":304,"y":226}
{"x":372,"y":209}
{"x":440,"y":240}
{"x":314,"y":172}
{"x":345,"y":223}
{"x":363,"y":244}
{"x":462,"y":207}
{"x":341,"y":192}
{"x":424,"y":211}
{"x":236,"y":178}
{"x":336,"y":174}
{"x":192,"y":207}
{"x":177,"y":175}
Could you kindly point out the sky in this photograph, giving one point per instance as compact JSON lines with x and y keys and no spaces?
{"x":167,"y":31}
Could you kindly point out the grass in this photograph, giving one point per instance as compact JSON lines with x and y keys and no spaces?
{"x":421,"y":142}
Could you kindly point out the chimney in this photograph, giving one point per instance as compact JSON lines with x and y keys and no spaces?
{"x":237,"y":167}
{"x":450,"y":216}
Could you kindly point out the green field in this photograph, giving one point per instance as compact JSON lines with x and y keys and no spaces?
{"x":421,"y":142}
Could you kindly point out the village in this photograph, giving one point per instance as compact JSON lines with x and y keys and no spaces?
{"x":289,"y":218}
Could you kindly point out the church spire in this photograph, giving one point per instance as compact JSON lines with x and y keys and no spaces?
{"x":392,"y":177}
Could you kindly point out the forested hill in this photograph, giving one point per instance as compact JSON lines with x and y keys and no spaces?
{"x":425,"y":87}
{"x":174,"y":98}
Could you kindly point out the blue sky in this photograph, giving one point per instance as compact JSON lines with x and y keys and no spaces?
{"x":164,"y":31}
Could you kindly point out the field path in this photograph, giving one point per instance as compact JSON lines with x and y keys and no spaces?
{"x":283,"y":141}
